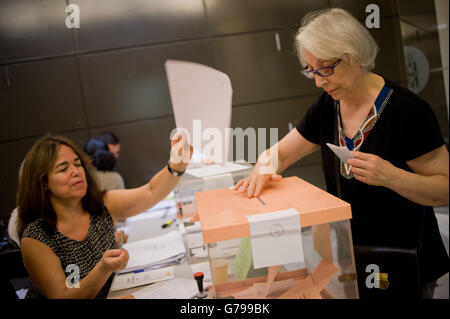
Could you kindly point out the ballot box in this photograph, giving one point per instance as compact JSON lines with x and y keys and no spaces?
{"x":293,"y":241}
{"x":198,"y":178}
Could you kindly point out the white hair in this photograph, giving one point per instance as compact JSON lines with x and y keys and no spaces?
{"x":335,"y":33}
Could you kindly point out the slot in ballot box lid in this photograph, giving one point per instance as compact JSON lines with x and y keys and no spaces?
{"x":223,"y":212}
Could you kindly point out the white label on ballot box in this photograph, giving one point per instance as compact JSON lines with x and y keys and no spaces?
{"x":276,"y":238}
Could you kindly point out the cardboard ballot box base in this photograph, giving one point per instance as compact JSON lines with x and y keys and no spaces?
{"x":233,"y":288}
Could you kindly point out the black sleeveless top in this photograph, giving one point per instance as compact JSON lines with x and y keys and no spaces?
{"x":400,"y":127}
{"x":83,"y":254}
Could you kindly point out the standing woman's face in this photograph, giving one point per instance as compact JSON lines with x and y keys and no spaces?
{"x":339,"y":84}
{"x":66,"y":178}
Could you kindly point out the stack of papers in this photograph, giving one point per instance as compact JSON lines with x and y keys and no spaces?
{"x":177,"y":288}
{"x":155,"y":252}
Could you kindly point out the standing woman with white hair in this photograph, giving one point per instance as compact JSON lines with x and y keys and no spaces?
{"x":400,"y":163}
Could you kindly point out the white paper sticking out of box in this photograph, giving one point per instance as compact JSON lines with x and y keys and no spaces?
{"x":215,"y":169}
{"x":276,"y":238}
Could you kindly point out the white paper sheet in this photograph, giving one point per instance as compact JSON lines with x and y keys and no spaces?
{"x":341,"y":151}
{"x":150,"y":225}
{"x":199,"y":92}
{"x":215,"y":169}
{"x":276,"y":238}
{"x":176,"y":288}
{"x":151,"y":251}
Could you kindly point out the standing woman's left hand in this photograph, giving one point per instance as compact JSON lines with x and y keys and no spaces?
{"x":371,"y":169}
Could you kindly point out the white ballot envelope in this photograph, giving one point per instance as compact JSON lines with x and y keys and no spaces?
{"x":341,"y":151}
{"x":276,"y":238}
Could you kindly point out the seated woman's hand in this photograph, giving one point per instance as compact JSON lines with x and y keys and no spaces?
{"x":181,"y":152}
{"x":114,"y":260}
{"x":117,"y":237}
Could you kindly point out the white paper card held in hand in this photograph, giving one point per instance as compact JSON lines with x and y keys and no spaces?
{"x":201,"y":101}
{"x":276,"y":238}
{"x":341,"y":151}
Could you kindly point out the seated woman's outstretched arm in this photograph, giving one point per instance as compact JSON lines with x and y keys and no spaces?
{"x":125,"y":203}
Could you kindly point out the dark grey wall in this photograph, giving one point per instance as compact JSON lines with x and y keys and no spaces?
{"x":109,"y":74}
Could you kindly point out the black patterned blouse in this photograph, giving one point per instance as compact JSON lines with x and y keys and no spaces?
{"x":80,"y":255}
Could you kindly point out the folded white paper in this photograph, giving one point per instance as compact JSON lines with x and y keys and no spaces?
{"x":341,"y":151}
{"x":276,"y":238}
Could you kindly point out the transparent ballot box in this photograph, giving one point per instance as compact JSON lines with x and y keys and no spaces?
{"x":293,"y":241}
{"x":203,"y":177}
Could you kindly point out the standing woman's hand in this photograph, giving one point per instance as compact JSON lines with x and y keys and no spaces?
{"x":265,"y":170}
{"x":371,"y":169}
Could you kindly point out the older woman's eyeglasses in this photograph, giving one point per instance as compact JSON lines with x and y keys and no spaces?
{"x":322,"y":71}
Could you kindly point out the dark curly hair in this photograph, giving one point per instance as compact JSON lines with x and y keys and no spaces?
{"x":32,"y":198}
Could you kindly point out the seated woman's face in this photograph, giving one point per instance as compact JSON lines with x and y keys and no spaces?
{"x":66,"y":179}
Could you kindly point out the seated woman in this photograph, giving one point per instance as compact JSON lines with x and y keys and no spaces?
{"x":104,"y":161}
{"x":66,"y":224}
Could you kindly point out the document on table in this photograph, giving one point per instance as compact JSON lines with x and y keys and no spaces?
{"x":276,"y":238}
{"x":176,"y":288}
{"x":155,"y":251}
{"x":215,"y":169}
{"x":341,"y":151}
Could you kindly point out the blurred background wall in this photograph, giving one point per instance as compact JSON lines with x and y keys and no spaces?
{"x":109,"y":74}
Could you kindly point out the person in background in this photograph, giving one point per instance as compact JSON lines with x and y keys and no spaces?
{"x":66,"y":224}
{"x":112,"y":141}
{"x":104,"y":161}
{"x":400,"y":164}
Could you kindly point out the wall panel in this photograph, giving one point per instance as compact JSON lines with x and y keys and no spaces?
{"x":107,"y":24}
{"x":39,"y":97}
{"x":129,"y":85}
{"x":33,"y":29}
{"x":236,"y":16}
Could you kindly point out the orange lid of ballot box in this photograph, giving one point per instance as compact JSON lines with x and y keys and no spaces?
{"x":223,"y":212}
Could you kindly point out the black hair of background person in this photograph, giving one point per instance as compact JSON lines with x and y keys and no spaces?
{"x":102,"y":158}
{"x":109,"y":138}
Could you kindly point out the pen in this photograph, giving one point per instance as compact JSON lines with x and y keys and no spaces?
{"x":168,"y":223}
{"x":120,"y":242}
{"x":138,"y":271}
